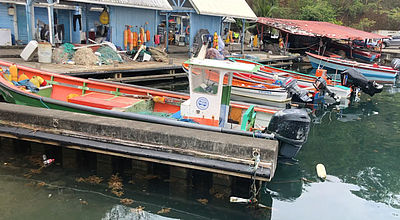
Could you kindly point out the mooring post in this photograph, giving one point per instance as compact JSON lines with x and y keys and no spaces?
{"x":104,"y":165}
{"x":222,"y":184}
{"x":179,"y":180}
{"x":69,"y":158}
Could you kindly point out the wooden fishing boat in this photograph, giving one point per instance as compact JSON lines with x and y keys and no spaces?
{"x":208,"y":107}
{"x":273,"y":75}
{"x":373,"y":72}
{"x":265,"y":93}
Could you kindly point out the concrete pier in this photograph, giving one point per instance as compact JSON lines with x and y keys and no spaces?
{"x":175,"y":146}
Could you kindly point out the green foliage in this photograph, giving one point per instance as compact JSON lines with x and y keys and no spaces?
{"x":364,"y":24}
{"x":363,"y":14}
{"x":318,"y":11}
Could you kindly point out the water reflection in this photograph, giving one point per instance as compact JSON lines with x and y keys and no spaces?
{"x":120,"y":212}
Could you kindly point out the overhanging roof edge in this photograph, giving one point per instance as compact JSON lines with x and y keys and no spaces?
{"x":122,"y":5}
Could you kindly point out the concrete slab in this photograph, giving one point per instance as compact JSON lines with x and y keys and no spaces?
{"x":176,"y":144}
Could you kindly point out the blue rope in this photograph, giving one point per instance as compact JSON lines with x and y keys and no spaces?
{"x":41,"y":100}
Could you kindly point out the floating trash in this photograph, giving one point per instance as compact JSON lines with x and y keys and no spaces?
{"x":203,"y":201}
{"x":91,"y":179}
{"x":126,"y":201}
{"x":321,"y":172}
{"x":164,"y":210}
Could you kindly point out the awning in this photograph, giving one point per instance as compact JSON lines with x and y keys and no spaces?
{"x":318,"y":29}
{"x":224,"y":8}
{"x":146,"y":4}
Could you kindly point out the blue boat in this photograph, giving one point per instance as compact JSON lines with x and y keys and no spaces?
{"x":382,"y":74}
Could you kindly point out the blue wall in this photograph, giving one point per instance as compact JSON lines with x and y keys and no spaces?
{"x":211,"y":23}
{"x":119,"y":17}
{"x":6,"y":21}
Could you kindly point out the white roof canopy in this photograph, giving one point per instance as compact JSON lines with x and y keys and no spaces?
{"x":147,"y":4}
{"x":225,"y":8}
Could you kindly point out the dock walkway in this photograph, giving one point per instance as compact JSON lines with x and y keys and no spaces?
{"x":213,"y":152}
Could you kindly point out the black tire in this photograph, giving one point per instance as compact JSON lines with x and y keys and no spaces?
{"x":384,"y":45}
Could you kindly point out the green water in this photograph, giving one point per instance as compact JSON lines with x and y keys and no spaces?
{"x":359,"y":147}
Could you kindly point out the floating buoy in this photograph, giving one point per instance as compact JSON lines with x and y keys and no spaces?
{"x":321,"y":172}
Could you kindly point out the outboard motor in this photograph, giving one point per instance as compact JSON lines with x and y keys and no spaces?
{"x":321,"y":85}
{"x":290,"y":85}
{"x":291,"y":127}
{"x":353,"y":78}
{"x":395,"y":64}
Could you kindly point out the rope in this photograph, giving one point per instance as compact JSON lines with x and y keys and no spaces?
{"x":44,"y":104}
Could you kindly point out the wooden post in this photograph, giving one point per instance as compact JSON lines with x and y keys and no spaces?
{"x":69,"y":158}
{"x":104,"y":165}
{"x":178,"y":180}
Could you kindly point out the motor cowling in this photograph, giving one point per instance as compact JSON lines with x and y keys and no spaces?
{"x":353,"y":78}
{"x":290,"y":85}
{"x":291,"y":128}
{"x":395,"y":64}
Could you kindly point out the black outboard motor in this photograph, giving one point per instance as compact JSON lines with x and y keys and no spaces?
{"x":290,"y":85}
{"x":291,"y":127}
{"x":321,"y":85}
{"x":395,"y":64}
{"x":353,"y":78}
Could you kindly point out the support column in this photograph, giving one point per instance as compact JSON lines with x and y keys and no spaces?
{"x":104,"y":165}
{"x":243,"y":36}
{"x":7,"y":145}
{"x":69,"y":158}
{"x":167,"y":30}
{"x":190,"y":36}
{"x":15,"y":18}
{"x":87,"y":22}
{"x":29,"y":10}
{"x":179,"y":180}
{"x":222,"y":185}
{"x":50,"y":11}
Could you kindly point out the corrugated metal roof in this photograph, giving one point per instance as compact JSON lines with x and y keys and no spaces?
{"x":147,"y":4}
{"x":318,"y":29}
{"x":225,"y":8}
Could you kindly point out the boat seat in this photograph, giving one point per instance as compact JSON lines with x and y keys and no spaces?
{"x":111,"y":102}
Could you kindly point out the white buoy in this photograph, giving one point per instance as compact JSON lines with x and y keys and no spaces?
{"x":321,"y":172}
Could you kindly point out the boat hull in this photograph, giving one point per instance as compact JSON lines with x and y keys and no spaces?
{"x":366,"y":70}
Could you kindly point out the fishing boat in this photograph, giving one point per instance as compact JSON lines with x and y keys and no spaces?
{"x":265,"y":93}
{"x":267,"y":74}
{"x":373,"y":72}
{"x":208,"y":107}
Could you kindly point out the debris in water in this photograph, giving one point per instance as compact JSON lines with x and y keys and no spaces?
{"x":203,"y":201}
{"x":91,"y":179}
{"x":117,"y":193}
{"x":83,"y":202}
{"x":138,"y":209}
{"x":164,"y":210}
{"x":36,"y":171}
{"x":126,"y":201}
{"x":40,"y":184}
{"x":49,"y":196}
{"x":115,"y":184}
{"x":306,"y":180}
{"x":150,"y":177}
{"x":321,"y":172}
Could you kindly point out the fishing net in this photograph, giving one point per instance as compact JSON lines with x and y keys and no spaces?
{"x":85,"y":56}
{"x":64,"y":53}
{"x":108,"y":55}
{"x":69,"y":49}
